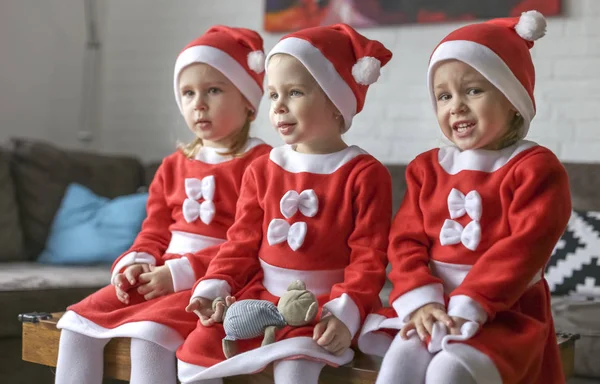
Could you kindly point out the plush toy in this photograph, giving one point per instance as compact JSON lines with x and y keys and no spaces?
{"x":247,"y":319}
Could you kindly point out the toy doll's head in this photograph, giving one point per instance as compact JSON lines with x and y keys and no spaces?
{"x":298,"y":306}
{"x":481,"y":80}
{"x":218,"y":86}
{"x":318,"y":80}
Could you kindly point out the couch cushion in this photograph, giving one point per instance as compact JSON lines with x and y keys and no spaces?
{"x":29,"y":287}
{"x":35,"y":276}
{"x":89,"y":229}
{"x":581,"y":317}
{"x":585,"y":184}
{"x":42,"y":172}
{"x":11,"y":236}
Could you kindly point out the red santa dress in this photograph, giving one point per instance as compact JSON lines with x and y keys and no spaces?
{"x":191,"y":205}
{"x":320,"y":218}
{"x":474,"y":233}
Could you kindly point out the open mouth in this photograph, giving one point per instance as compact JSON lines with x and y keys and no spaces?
{"x":463,"y":128}
{"x":285,"y":128}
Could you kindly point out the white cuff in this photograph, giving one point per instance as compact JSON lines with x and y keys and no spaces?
{"x":416,"y":298}
{"x":345,"y":309}
{"x":182,"y":273}
{"x":211,"y":289}
{"x":130,"y":259}
{"x":467,"y":308}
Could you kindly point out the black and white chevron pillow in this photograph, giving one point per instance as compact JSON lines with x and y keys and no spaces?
{"x":574,"y":268}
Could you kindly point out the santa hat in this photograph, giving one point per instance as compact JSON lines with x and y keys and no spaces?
{"x":341,"y":60}
{"x":236,"y":52}
{"x":499,"y":50}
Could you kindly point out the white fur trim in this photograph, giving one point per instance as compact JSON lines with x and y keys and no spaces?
{"x":185,"y":242}
{"x":210,"y":155}
{"x":211,"y":289}
{"x":224,"y":63}
{"x":467,"y":308}
{"x":481,"y":367}
{"x":531,"y":25}
{"x":372,"y":342}
{"x":290,"y":160}
{"x":276,"y":279}
{"x":334,"y":86}
{"x":492,"y":67}
{"x":256,"y":61}
{"x":346,"y":310}
{"x":257,"y":359}
{"x":451,"y":274}
{"x":440,"y":337}
{"x":146,"y":330}
{"x":130,"y":259}
{"x":453,"y":160}
{"x":416,"y":298}
{"x":366,"y":70}
{"x":182,"y":273}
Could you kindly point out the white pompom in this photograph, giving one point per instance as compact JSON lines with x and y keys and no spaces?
{"x":366,"y":70}
{"x":256,"y":61}
{"x":531,"y":25}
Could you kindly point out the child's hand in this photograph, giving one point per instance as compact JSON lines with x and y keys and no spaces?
{"x":203,"y":308}
{"x":155,"y":283}
{"x":458,"y":323}
{"x":333,"y":335}
{"x":423,"y":318}
{"x":123,"y":282}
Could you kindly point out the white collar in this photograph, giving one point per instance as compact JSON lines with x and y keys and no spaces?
{"x":211,"y":155}
{"x":453,"y":160}
{"x":290,"y":160}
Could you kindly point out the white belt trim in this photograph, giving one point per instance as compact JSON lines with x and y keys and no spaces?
{"x":453,"y":274}
{"x":276,"y":279}
{"x":185,"y":242}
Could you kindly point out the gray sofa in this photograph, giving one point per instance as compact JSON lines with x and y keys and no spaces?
{"x":33,"y":178}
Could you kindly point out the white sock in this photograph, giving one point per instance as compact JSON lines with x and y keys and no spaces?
{"x":299,"y":371}
{"x":80,"y":359}
{"x":151,"y":363}
{"x":405,"y":362}
{"x":447,"y":369}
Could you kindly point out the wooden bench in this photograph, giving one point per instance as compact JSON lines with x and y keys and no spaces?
{"x":40,"y":345}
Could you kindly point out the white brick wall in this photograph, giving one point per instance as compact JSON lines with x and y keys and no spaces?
{"x":137,"y":112}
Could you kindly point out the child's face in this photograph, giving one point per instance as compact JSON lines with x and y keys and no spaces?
{"x":300,"y":111}
{"x":214,"y":109}
{"x":472,"y":113}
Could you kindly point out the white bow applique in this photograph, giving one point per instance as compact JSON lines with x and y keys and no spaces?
{"x":453,"y":232}
{"x":280,"y":230}
{"x":195,"y":190}
{"x":459,"y":204}
{"x":306,"y":201}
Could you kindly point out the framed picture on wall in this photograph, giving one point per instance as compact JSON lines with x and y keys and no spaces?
{"x":291,"y":15}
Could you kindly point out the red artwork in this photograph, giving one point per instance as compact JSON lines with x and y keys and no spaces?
{"x":290,"y":15}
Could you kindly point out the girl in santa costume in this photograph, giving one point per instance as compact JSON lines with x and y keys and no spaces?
{"x":315,"y":210}
{"x":477,"y":225}
{"x":191,"y":205}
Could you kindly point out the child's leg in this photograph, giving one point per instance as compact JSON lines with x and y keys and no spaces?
{"x":405,"y":362}
{"x":80,"y":359}
{"x":151,"y":363}
{"x":297,"y":371}
{"x":445,"y":368}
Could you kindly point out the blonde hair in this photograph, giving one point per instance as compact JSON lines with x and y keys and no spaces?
{"x":238,"y":142}
{"x":513,"y":134}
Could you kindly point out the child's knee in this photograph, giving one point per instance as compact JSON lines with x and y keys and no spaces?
{"x":446,"y":368}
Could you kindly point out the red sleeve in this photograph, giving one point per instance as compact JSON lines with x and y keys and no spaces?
{"x":237,"y":259}
{"x":408,"y":252}
{"x":155,"y":236}
{"x":538,"y":215}
{"x":353,"y":299}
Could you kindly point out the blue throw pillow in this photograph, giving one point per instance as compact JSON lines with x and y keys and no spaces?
{"x":90,"y":229}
